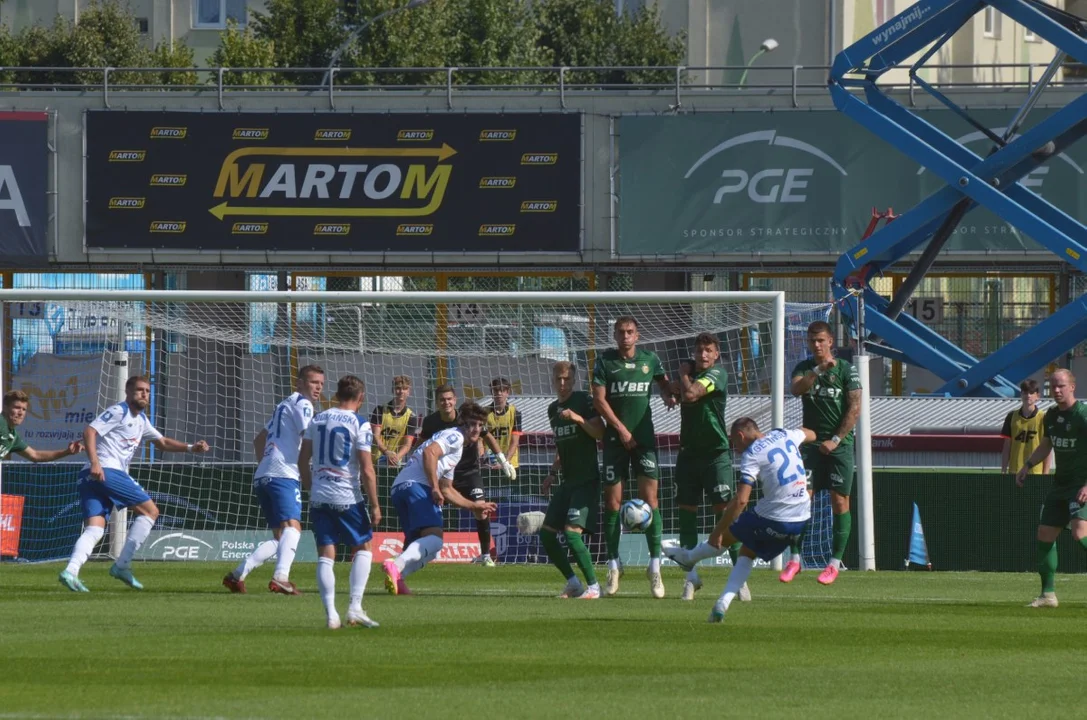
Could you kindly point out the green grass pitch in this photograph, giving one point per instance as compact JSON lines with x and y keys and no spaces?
{"x":476,"y":642}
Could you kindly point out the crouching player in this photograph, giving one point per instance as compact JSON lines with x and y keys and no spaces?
{"x":574,"y":504}
{"x":338,"y":510}
{"x":773,"y":460}
{"x":421,"y":489}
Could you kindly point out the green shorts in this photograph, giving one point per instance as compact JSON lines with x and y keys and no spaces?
{"x":1061,"y":506}
{"x":577,"y":505}
{"x":618,"y":461}
{"x":830,"y":472}
{"x":699,"y":476}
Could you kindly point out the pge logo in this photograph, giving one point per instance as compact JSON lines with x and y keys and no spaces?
{"x":127,"y":155}
{"x":769,"y":185}
{"x":126,"y":203}
{"x":179,"y":546}
{"x":332,"y":135}
{"x":415,"y":135}
{"x":169,"y":133}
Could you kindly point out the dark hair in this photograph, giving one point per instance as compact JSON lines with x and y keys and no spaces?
{"x":131,"y":382}
{"x":707,"y":339}
{"x":1029,"y":386}
{"x":744,"y":424}
{"x":471,"y":412}
{"x":350,"y":387}
{"x":820,"y":326}
{"x":14,"y":396}
{"x":500,"y":383}
{"x":304,"y":372}
{"x":625,"y":320}
{"x":443,"y":389}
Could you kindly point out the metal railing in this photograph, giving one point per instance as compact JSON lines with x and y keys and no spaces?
{"x":675,"y":81}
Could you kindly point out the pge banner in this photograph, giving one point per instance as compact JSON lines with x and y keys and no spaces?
{"x":24,"y":162}
{"x":334,"y":183}
{"x":799,"y":182}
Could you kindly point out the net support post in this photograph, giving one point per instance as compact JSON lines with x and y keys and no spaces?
{"x":115,"y":392}
{"x":866,"y":530}
{"x":777,"y":379}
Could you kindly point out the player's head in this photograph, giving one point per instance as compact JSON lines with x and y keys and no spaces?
{"x":138,"y":392}
{"x":1062,"y":383}
{"x":500,"y":391}
{"x":625,"y":332}
{"x":820,"y":340}
{"x":563,"y":376}
{"x":1028,"y":392}
{"x":744,"y":432}
{"x":311,"y":381}
{"x":707,"y":351}
{"x":446,"y":398}
{"x":16,"y":403}
{"x":350,"y":392}
{"x":401,"y":388}
{"x":471,"y":419}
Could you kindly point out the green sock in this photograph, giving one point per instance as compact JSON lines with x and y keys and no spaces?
{"x":1047,"y":564}
{"x":795,"y":550}
{"x":653,"y":535}
{"x":556,"y":552}
{"x":688,"y":528}
{"x":581,"y":555}
{"x":843,"y":525}
{"x":612,"y":533}
{"x":734,"y":552}
{"x":1083,"y":542}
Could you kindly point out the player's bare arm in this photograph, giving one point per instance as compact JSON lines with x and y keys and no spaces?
{"x":305,"y":473}
{"x":668,"y":395}
{"x":90,"y":442}
{"x":453,"y":496}
{"x":431,"y":456}
{"x":369,"y":485}
{"x":594,"y":427}
{"x":690,"y":390}
{"x":405,"y":448}
{"x":720,"y":534}
{"x":171,"y":445}
{"x":603,"y":409}
{"x":259,"y":442}
{"x":1040,"y":453}
{"x":41,"y":456}
{"x":809,"y":435}
{"x":553,"y":471}
{"x":849,"y":421}
{"x":803,"y":383}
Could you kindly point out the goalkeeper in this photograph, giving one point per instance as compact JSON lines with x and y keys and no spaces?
{"x":575,"y":504}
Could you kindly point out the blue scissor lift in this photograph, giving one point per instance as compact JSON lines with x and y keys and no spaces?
{"x":972,"y":180}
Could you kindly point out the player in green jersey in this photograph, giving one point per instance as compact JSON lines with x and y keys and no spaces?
{"x":622,"y":382}
{"x":574,"y":504}
{"x":704,"y":463}
{"x":830,"y":391}
{"x":16,"y":404}
{"x":1064,"y":432}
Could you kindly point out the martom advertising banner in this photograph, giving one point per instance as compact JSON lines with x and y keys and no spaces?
{"x":799,"y":182}
{"x":24,"y":164}
{"x":333,"y":183}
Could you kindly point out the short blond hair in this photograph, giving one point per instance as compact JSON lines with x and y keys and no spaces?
{"x":401,"y":381}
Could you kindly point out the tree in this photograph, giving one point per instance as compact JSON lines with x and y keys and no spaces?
{"x":176,"y":55}
{"x":419,"y":38}
{"x":496,"y":33}
{"x":305,"y":34}
{"x":243,"y":49}
{"x":106,"y":36}
{"x":589,"y":33}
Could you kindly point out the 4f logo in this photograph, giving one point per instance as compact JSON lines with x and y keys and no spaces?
{"x":1026,"y":436}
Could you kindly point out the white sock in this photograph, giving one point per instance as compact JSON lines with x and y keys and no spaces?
{"x":704,"y":550}
{"x":736,"y":580}
{"x":259,"y":556}
{"x":797,"y":558}
{"x":654,"y":565}
{"x":613,"y":564}
{"x":84,"y":546}
{"x":326,"y":584}
{"x":692,"y":576}
{"x":836,"y":563}
{"x":360,"y":573}
{"x":288,"y":544}
{"x":137,"y":533}
{"x":418,"y":554}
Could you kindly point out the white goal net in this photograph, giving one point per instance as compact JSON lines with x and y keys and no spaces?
{"x":220,"y":362}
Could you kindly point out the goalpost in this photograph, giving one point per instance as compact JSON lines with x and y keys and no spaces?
{"x":219,"y":362}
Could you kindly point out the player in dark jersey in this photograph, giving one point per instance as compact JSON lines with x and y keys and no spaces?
{"x":467,"y":479}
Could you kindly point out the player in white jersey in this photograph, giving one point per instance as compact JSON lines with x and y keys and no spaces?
{"x":276,"y":483}
{"x":773,"y":461}
{"x":421,"y":489}
{"x":336,"y":447}
{"x":104,"y":483}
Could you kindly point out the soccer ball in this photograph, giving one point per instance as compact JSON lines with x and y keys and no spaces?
{"x":636,"y":515}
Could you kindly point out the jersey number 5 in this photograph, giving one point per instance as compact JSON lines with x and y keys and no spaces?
{"x":783,"y":478}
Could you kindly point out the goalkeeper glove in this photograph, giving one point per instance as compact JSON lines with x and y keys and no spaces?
{"x":510,"y":471}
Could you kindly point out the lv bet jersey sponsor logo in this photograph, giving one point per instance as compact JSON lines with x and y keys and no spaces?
{"x":333,"y":182}
{"x":628,"y":388}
